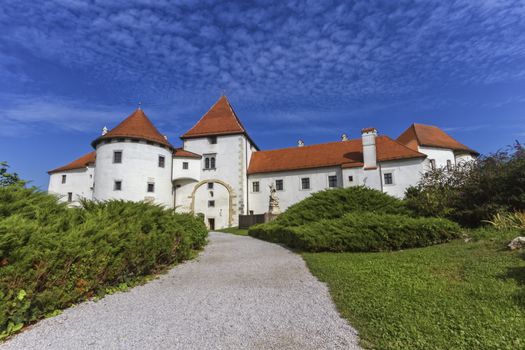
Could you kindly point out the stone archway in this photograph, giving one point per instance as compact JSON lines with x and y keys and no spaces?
{"x":231,"y":193}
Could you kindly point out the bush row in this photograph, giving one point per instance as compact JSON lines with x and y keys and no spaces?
{"x":360,"y":232}
{"x":52,"y":256}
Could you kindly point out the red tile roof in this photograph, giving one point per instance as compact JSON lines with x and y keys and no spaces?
{"x":346,"y":154}
{"x":136,"y":126}
{"x":79,"y":163}
{"x":220,"y":119}
{"x":179,"y":152}
{"x":431,"y":136}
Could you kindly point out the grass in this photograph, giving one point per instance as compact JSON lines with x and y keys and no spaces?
{"x":459,"y":295}
{"x":234,"y":230}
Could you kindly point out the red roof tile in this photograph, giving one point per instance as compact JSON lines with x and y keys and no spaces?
{"x":179,"y":152}
{"x":220,"y":119}
{"x":346,"y":154}
{"x":136,"y":126}
{"x":431,"y":136}
{"x":79,"y":163}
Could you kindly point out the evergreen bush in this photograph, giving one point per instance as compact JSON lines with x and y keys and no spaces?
{"x":52,"y":256}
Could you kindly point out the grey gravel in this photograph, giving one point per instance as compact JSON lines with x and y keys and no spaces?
{"x":240,"y":293}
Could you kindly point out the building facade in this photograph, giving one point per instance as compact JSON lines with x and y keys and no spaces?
{"x":221,"y":173}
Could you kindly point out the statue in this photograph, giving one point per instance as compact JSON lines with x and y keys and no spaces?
{"x":274,"y":201}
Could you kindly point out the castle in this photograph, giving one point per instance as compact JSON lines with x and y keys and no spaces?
{"x":221,"y":173}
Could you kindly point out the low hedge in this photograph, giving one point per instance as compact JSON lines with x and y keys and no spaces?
{"x":360,"y":232}
{"x":335,"y":203}
{"x":52,"y":256}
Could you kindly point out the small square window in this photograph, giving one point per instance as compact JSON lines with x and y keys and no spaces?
{"x":70,"y":197}
{"x":350,"y":178}
{"x":279,"y":185}
{"x":185,"y":165}
{"x":305,"y":183}
{"x":211,"y":204}
{"x":151,"y":187}
{"x":117,"y":186}
{"x":255,"y":186}
{"x":432,"y":164}
{"x":332,"y":181}
{"x":389,"y":179}
{"x":212,"y":140}
{"x":117,"y":156}
{"x":162,"y":161}
{"x":210,"y":185}
{"x":64,"y":179}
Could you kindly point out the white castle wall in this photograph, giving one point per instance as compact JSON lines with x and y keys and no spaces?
{"x":220,"y":211}
{"x":78,"y":181}
{"x":405,"y":173}
{"x":292,"y":193}
{"x":139,"y":166}
{"x":441,"y":156}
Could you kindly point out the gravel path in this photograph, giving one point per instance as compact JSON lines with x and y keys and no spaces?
{"x":240,"y":293}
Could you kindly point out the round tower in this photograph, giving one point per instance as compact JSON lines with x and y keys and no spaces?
{"x":134,"y":162}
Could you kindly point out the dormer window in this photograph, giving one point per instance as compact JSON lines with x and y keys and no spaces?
{"x":212,"y":140}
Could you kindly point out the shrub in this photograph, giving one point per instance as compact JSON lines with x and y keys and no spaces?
{"x":360,"y":232}
{"x":52,"y":256}
{"x":334,"y":203}
{"x":474,"y":192}
{"x":508,"y":221}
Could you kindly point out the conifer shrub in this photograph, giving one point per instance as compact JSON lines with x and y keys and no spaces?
{"x":360,"y":232}
{"x":334,"y":203}
{"x":52,"y":256}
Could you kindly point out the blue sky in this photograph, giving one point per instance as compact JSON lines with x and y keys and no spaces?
{"x":292,"y":69}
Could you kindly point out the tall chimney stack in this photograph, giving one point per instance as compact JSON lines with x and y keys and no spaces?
{"x":368,"y":136}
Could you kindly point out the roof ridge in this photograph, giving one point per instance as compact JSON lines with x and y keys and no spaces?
{"x":315,"y":144}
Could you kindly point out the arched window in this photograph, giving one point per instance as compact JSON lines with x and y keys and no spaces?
{"x":206,"y":163}
{"x":212,"y":162}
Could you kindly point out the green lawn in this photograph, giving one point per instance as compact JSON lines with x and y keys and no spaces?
{"x":234,"y":230}
{"x":451,"y":296}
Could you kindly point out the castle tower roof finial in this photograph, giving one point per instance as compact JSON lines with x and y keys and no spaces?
{"x":140,"y":105}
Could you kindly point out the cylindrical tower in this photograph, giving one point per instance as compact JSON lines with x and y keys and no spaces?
{"x":134,"y":162}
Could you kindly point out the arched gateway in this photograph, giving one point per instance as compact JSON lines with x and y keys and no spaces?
{"x":215,"y":199}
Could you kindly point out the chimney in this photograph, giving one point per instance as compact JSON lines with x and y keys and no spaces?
{"x":300,"y":143}
{"x":344,"y":137}
{"x":104,"y":131}
{"x":368,"y":136}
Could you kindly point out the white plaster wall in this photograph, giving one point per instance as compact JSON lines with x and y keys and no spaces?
{"x":441,"y":155}
{"x":405,"y":173}
{"x":193,"y":171}
{"x":464,"y":158}
{"x":220,"y":211}
{"x":292,"y":193}
{"x":139,"y":166}
{"x":78,"y":181}
{"x":183,"y":190}
{"x":230,"y":163}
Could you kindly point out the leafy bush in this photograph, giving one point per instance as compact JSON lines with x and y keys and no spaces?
{"x":508,"y":221}
{"x":334,"y":203}
{"x":52,"y":256}
{"x":473,"y":192}
{"x":360,"y":232}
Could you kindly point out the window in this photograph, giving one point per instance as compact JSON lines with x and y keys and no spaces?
{"x":279,"y":185}
{"x":70,"y":197}
{"x":117,"y":186}
{"x":350,"y":178}
{"x":432,"y":164}
{"x":210,"y":185}
{"x":151,"y":187}
{"x":389,"y":179}
{"x":117,"y":156}
{"x":211,"y":204}
{"x":209,"y":161}
{"x":332,"y":181}
{"x":212,"y":140}
{"x":162,"y":161}
{"x":449,"y":165}
{"x":64,"y":179}
{"x":185,"y":165}
{"x":305,"y":183}
{"x":255,"y":186}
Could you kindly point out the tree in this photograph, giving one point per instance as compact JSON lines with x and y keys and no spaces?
{"x":6,"y":178}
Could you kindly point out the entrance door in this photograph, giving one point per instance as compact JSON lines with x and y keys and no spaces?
{"x":211,"y":224}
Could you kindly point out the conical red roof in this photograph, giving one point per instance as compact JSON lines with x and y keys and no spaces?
{"x":136,"y":126}
{"x":219,"y":120}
